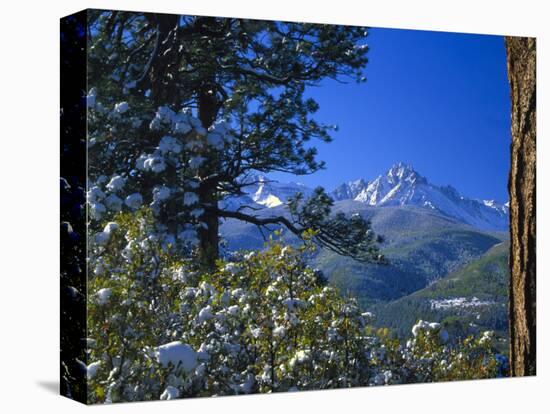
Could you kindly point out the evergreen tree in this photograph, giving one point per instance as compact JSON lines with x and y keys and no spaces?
{"x":243,"y":85}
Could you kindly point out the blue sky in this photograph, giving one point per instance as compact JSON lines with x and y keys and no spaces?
{"x":439,"y":101}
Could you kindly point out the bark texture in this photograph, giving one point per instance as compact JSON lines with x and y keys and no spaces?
{"x":521,"y":60}
{"x":207,"y":191}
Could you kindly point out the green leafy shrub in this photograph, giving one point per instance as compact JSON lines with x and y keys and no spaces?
{"x":262,"y":322}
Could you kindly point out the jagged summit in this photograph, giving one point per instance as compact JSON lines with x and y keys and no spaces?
{"x":400,"y":185}
{"x":349,"y":190}
{"x":402,"y":172}
{"x":394,"y":183}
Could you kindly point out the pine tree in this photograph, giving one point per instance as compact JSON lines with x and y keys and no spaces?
{"x":245,"y":81}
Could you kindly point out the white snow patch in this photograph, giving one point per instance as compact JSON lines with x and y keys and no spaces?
{"x":182,"y":128}
{"x":97,"y":210}
{"x":169,"y":144}
{"x":233,"y":310}
{"x":103,"y":295}
{"x":178,"y":354}
{"x":116,"y":184}
{"x":271,"y":201}
{"x":110,"y":227}
{"x":154,"y":163}
{"x":140,"y":162}
{"x":196,"y":213}
{"x":248,"y":385}
{"x":190,"y":198}
{"x":103,"y":237}
{"x":205,"y":314}
{"x":189,"y":235}
{"x":90,"y":98}
{"x":279,"y":331}
{"x":91,"y":370}
{"x":459,"y":302}
{"x":134,"y":201}
{"x":196,"y":162}
{"x":121,"y":107}
{"x":94,"y":195}
{"x":170,"y":393}
{"x":161,"y":193}
{"x":113,"y":202}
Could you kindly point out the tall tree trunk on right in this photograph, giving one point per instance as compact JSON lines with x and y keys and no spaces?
{"x":521,"y":59}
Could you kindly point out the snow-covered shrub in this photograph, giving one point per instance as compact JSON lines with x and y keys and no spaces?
{"x":161,"y":328}
{"x":150,"y":156}
{"x":428,"y":356}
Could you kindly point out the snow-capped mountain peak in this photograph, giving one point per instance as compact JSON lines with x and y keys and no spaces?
{"x":262,"y":194}
{"x":349,"y":190}
{"x":402,"y":172}
{"x":270,"y":193}
{"x":402,"y":185}
{"x":394,"y":185}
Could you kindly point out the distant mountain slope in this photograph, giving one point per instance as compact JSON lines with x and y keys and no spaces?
{"x":486,"y":278}
{"x":421,"y":244}
{"x":475,"y":295}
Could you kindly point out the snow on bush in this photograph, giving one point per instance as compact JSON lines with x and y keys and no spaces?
{"x":97,"y":210}
{"x":256,"y":324}
{"x":110,"y":227}
{"x":204,"y":315}
{"x":104,"y":236}
{"x":90,"y":98}
{"x":155,"y":163}
{"x":190,"y":198}
{"x":169,"y":144}
{"x":116,"y":184}
{"x":95,"y":195}
{"x":215,"y":140}
{"x":113,"y":203}
{"x":163,"y":163}
{"x":161,"y":193}
{"x":486,"y":337}
{"x":182,"y":128}
{"x":170,"y":393}
{"x":177,"y":354}
{"x":188,"y":235}
{"x":91,"y":370}
{"x":279,"y":331}
{"x":233,"y":310}
{"x":121,"y":107}
{"x":103,"y":295}
{"x":196,"y":161}
{"x":134,"y":201}
{"x":430,"y":327}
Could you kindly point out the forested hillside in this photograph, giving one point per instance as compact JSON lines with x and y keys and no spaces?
{"x":468,"y":300}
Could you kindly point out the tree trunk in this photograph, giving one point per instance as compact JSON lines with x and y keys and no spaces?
{"x":521,"y":59}
{"x":207,"y":192}
{"x":163,"y":67}
{"x":208,"y":235}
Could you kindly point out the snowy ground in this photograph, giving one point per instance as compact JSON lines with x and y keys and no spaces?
{"x":459,"y":302}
